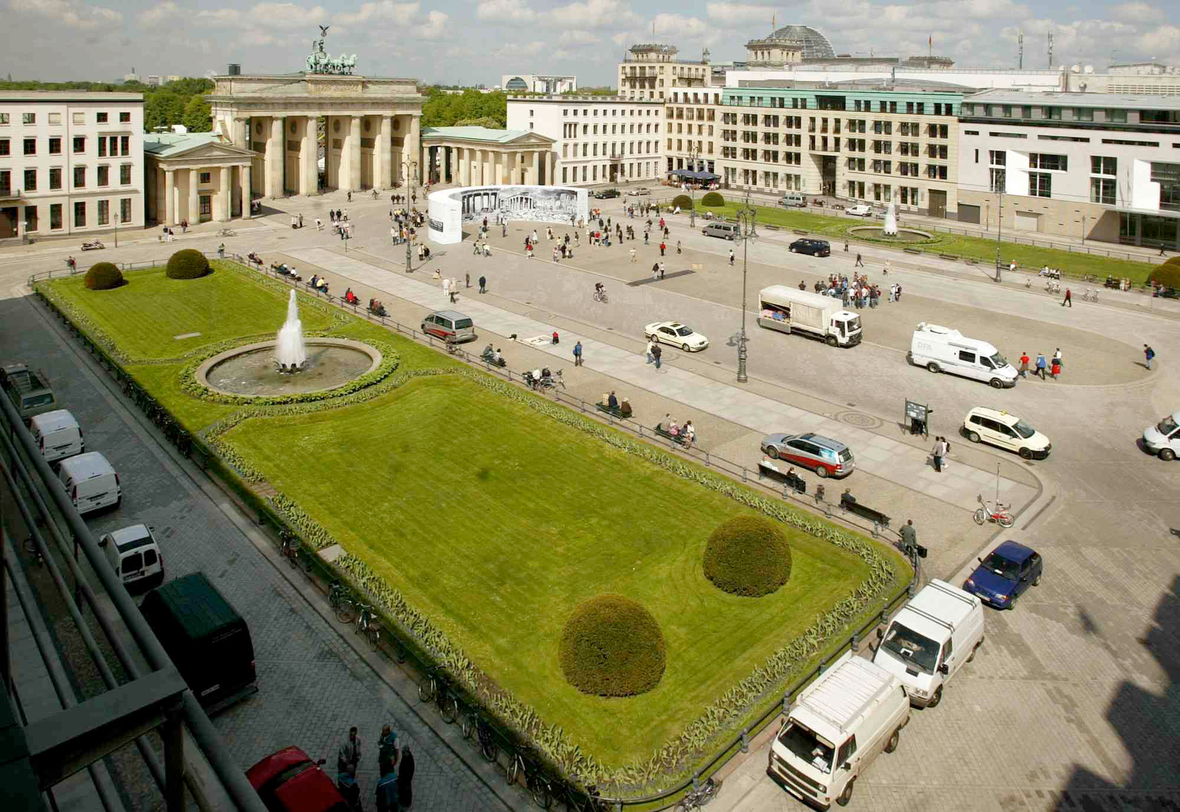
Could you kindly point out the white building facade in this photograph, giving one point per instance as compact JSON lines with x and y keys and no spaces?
{"x":597,"y":139}
{"x":70,"y":162}
{"x":535,"y":83}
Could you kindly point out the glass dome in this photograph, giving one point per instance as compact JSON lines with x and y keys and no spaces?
{"x":815,"y":44}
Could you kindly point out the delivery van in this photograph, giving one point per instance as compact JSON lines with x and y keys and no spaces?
{"x":206,"y":638}
{"x":726,"y":231}
{"x":931,"y":639}
{"x":135,"y":556}
{"x":790,"y":310}
{"x":941,"y":349}
{"x":90,"y":482}
{"x":449,"y":325}
{"x":792,"y":200}
{"x":57,"y":434}
{"x":836,"y":727}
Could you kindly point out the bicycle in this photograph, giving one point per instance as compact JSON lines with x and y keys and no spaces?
{"x":474,"y":725}
{"x":226,"y":232}
{"x":32,"y":549}
{"x":341,"y":602}
{"x":576,"y":800}
{"x":434,"y":687}
{"x":539,"y":786}
{"x":1090,"y":277}
{"x":1000,"y":515}
{"x":696,"y":798}
{"x":290,"y":548}
{"x":1090,"y":296}
{"x":600,"y":296}
{"x":366,"y":624}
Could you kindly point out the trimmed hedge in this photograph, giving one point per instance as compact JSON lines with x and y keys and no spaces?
{"x":683,"y":201}
{"x":104,"y":276}
{"x":748,"y":556}
{"x":713,"y":199}
{"x":188,"y":263}
{"x":1167,"y":274}
{"x":612,"y":646}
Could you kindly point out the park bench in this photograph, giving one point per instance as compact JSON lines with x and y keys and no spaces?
{"x":678,"y":438}
{"x":800,"y":231}
{"x":848,"y":503}
{"x":911,"y":251}
{"x":952,"y":257}
{"x":791,"y":480}
{"x":615,"y":412}
{"x":971,"y":261}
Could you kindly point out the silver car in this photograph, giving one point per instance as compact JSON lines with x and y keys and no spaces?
{"x":825,"y":456}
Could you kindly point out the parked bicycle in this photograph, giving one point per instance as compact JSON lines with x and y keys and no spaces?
{"x":1090,"y":277}
{"x":290,"y":548}
{"x":540,"y":787}
{"x":367,"y":625}
{"x":226,"y":232}
{"x":696,"y":798}
{"x":575,"y":800}
{"x":1000,"y":514}
{"x":434,"y":687}
{"x":475,"y":725}
{"x":341,"y":602}
{"x":1090,"y":296}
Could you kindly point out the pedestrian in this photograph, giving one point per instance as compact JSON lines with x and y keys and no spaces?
{"x":662,"y":248}
{"x":483,"y":284}
{"x":578,"y":354}
{"x":846,"y":246}
{"x":446,"y":286}
{"x":937,"y":453}
{"x":888,"y":266}
{"x":301,"y":221}
{"x":646,"y":235}
{"x":454,"y":291}
{"x":909,"y":537}
{"x":656,"y":352}
{"x":1057,"y":357}
{"x":731,"y":257}
{"x":1149,"y":354}
{"x":688,"y":434}
{"x":1055,"y":369}
{"x":655,"y":271}
{"x":1023,"y":364}
{"x":504,"y":229}
{"x":678,"y":247}
{"x":632,"y":254}
{"x":555,"y":252}
{"x":405,"y":779}
{"x":946,"y":452}
{"x":348,"y":757}
{"x":349,"y":195}
{"x":898,"y":293}
{"x":468,"y":280}
{"x":651,"y":346}
{"x":221,"y":251}
{"x":387,"y":788}
{"x":1041,"y":365}
{"x":184,"y":226}
{"x":662,"y":269}
{"x":475,"y":249}
{"x":859,"y":262}
{"x":386,"y":750}
{"x":556,"y":338}
{"x":1067,"y":300}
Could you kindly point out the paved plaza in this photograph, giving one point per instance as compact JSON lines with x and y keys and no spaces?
{"x":1071,"y":703}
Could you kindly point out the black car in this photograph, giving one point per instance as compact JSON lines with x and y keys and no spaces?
{"x":606,"y":194}
{"x":817,"y":248}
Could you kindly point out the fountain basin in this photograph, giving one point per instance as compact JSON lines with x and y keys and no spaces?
{"x":251,"y":370}
{"x":903,"y":235}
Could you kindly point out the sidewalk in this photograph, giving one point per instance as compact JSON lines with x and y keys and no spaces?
{"x":889,"y":459}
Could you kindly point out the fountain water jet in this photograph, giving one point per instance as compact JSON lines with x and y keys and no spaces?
{"x":290,"y":351}
{"x":891,"y":220}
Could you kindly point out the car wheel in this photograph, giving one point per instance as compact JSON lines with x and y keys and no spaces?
{"x":792,"y":250}
{"x":846,"y":795}
{"x":772,"y":452}
{"x":973,"y":436}
{"x":684,"y":347}
{"x":934,"y":700}
{"x":1037,"y":581}
{"x":1167,"y":455}
{"x":831,"y":341}
{"x":891,"y":745}
{"x":972,"y":656}
{"x":821,"y":472}
{"x":996,"y":383}
{"x":933,"y":367}
{"x":1025,"y":454}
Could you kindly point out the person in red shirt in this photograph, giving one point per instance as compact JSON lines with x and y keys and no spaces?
{"x":1023,"y":364}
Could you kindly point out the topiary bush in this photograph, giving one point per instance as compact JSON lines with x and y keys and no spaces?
{"x":103,"y":276}
{"x":188,"y":264}
{"x":713,"y":199}
{"x":683,"y":201}
{"x":612,"y":646}
{"x":748,"y":556}
{"x":1167,"y":274}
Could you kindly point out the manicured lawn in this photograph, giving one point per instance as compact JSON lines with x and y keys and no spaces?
{"x":497,"y":522}
{"x":984,"y":250}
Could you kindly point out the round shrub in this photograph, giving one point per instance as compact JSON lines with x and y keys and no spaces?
{"x":188,"y":264}
{"x":1167,"y":274}
{"x":713,"y":199}
{"x":683,"y":201}
{"x":748,"y":556}
{"x":612,"y":646}
{"x":103,"y":276}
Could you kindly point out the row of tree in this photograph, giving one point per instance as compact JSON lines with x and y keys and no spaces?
{"x":178,"y":102}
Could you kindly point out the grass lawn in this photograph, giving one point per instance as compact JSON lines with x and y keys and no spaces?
{"x":1026,"y":256}
{"x":497,"y":522}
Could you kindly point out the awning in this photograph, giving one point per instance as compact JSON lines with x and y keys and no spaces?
{"x":691,"y":175}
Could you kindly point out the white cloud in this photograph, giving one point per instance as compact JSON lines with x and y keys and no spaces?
{"x":435,"y":25}
{"x":383,"y":11}
{"x":513,"y":51}
{"x":729,"y":13}
{"x":287,"y":15}
{"x":159,"y":14}
{"x":221,"y":16}
{"x":595,"y":14}
{"x":505,"y":10}
{"x":69,"y":13}
{"x":577,"y":37}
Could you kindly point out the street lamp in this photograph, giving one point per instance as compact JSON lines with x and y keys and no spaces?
{"x":746,"y":232}
{"x":999,"y":231}
{"x":115,"y":218}
{"x":410,"y":167}
{"x":694,"y":154}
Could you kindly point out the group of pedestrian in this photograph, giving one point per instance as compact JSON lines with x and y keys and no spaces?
{"x":942,"y":448}
{"x":686,"y":433}
{"x":1042,"y":365}
{"x":395,"y":768}
{"x":450,"y":288}
{"x":653,"y":353}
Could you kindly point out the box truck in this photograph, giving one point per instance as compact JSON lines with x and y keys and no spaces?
{"x":790,"y":310}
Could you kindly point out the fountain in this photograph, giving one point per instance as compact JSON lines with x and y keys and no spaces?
{"x":890,"y":231}
{"x":290,"y":352}
{"x":890,"y":228}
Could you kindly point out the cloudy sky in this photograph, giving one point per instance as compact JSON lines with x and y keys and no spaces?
{"x":460,"y":41}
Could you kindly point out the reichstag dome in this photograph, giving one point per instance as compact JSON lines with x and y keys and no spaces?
{"x":815,"y":44}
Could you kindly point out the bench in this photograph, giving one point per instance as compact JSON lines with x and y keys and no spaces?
{"x":911,"y":250}
{"x":800,"y":231}
{"x":615,"y":412}
{"x":951,"y":257}
{"x":678,"y":439}
{"x":792,"y":481}
{"x":772,"y":228}
{"x":971,"y":261}
{"x":848,"y":503}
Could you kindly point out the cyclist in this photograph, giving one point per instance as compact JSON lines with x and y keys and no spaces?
{"x":599,"y":290}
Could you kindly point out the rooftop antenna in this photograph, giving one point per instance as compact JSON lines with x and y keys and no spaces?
{"x":1020,"y":50}
{"x":1050,"y":50}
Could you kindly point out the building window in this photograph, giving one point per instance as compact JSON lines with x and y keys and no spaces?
{"x":1116,"y":116}
{"x":1102,"y":190}
{"x":104,"y":212}
{"x":79,"y":144}
{"x":1051,"y":113}
{"x":99,"y":118}
{"x":205,"y":177}
{"x":1100,"y":165}
{"x":1083,"y":114}
{"x":55,"y":118}
{"x":1040,"y":184}
{"x":30,"y":180}
{"x":54,"y":215}
{"x":206,"y":205}
{"x":125,"y":204}
{"x":55,"y":146}
{"x":55,"y":178}
{"x":124,"y":118}
{"x":80,"y":214}
{"x":79,"y":177}
{"x":104,"y":175}
{"x":1167,"y":175}
{"x":3,"y":119}
{"x":30,"y":146}
{"x":5,"y":147}
{"x":124,"y":145}
{"x":28,"y":118}
{"x":1042,"y":160}
{"x":78,"y":117}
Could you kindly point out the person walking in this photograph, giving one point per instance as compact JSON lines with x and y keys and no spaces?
{"x":678,"y":251}
{"x":663,"y":247}
{"x":1055,"y":369}
{"x":386,"y":750}
{"x":651,"y":346}
{"x":662,"y":268}
{"x":1067,"y":300}
{"x":859,"y":262}
{"x":348,"y":757}
{"x":909,"y":537}
{"x":731,"y":257}
{"x":656,"y":352}
{"x":633,"y":255}
{"x":1023,"y":364}
{"x":1149,"y":354}
{"x":405,"y":780}
{"x":578,"y":353}
{"x":937,"y":453}
{"x":387,"y":788}
{"x":483,"y":284}
{"x":1058,"y":359}
{"x":1041,"y":365}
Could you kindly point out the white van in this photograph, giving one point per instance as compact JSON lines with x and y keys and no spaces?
{"x":90,"y":482}
{"x":726,"y":231}
{"x":792,"y":200}
{"x":930,"y":639}
{"x":1163,"y":438}
{"x":58,"y":434}
{"x":135,"y":556}
{"x":998,"y":428}
{"x":836,"y":728}
{"x":941,"y":349}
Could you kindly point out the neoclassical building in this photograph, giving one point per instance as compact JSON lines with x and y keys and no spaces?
{"x":195,"y":177}
{"x":480,"y":156}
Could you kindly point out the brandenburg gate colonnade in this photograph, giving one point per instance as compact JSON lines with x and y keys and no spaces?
{"x":480,"y":156}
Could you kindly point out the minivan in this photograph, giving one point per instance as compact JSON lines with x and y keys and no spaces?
{"x":726,"y":231}
{"x":90,"y":482}
{"x":1163,"y":438}
{"x":792,"y":200}
{"x":941,"y":349}
{"x":998,"y":428}
{"x":58,"y":434}
{"x":817,"y":248}
{"x":207,"y":640}
{"x":449,"y":325}
{"x":135,"y":556}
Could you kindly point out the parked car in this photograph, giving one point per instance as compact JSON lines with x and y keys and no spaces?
{"x":1163,"y":439}
{"x":135,"y":556}
{"x":677,"y":334}
{"x":817,"y":248}
{"x":825,"y":456}
{"x":1005,"y":574}
{"x":860,"y":210}
{"x":792,"y":200}
{"x":1003,"y":430}
{"x":726,"y":231}
{"x":607,"y":194}
{"x":449,"y":325}
{"x":289,"y":781}
{"x":90,"y":482}
{"x":58,"y":434}
{"x":642,"y":190}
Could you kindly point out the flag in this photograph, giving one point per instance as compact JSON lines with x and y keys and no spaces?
{"x":773,"y":17}
{"x":930,"y":41}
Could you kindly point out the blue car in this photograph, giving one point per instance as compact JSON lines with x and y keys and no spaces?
{"x":1005,"y":574}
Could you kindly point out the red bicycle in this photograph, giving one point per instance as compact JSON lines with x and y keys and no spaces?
{"x":1001,"y":514}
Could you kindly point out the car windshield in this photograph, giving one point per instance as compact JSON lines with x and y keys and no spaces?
{"x":1024,"y":429}
{"x":1167,"y":426}
{"x":911,"y":647}
{"x":682,"y":330}
{"x":1008,"y":570}
{"x":853,"y":324}
{"x":998,"y":361}
{"x":807,"y":746}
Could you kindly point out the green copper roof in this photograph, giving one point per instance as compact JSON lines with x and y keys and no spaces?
{"x":473,"y":134}
{"x":164,"y":144}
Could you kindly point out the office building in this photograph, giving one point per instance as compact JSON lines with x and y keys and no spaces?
{"x":531,"y":83}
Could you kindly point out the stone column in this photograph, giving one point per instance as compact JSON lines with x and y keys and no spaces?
{"x":225,"y":195}
{"x":501,"y":168}
{"x":464,"y":158}
{"x":247,"y":195}
{"x":241,"y":133}
{"x":550,"y":167}
{"x":170,"y":197}
{"x":382,"y":155}
{"x":533,"y":180}
{"x":352,"y":146}
{"x":414,"y":143}
{"x":308,"y":155}
{"x":194,"y":202}
{"x":275,"y":149}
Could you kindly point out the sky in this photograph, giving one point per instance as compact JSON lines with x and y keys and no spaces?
{"x":465,"y":42}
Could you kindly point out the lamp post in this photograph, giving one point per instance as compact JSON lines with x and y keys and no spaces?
{"x":746,"y":232}
{"x":410,"y":167}
{"x":694,"y":155}
{"x":115,"y":219}
{"x":999,"y":232}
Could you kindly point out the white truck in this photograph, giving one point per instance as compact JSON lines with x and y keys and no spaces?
{"x":941,"y":349}
{"x":790,"y":310}
{"x":835,"y":729}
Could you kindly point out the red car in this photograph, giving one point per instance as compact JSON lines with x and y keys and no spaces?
{"x":289,"y":781}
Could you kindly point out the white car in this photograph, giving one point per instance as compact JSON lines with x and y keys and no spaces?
{"x":676,"y":334}
{"x":1003,"y":430}
{"x":1163,"y":439}
{"x":642,"y":190}
{"x":859,"y":211}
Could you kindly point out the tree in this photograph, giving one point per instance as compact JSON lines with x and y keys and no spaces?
{"x":198,"y":115}
{"x":446,"y":109}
